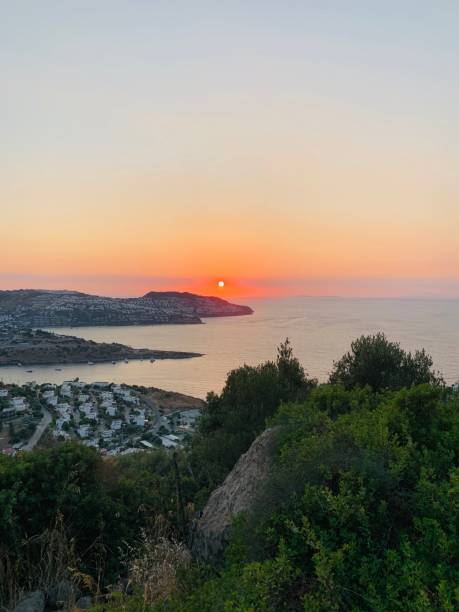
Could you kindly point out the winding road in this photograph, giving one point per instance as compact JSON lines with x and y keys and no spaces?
{"x":37,"y":434}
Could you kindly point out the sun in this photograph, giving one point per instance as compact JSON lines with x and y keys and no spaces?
{"x":221,"y":284}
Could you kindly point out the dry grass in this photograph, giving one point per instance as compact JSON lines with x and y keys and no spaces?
{"x":157,"y":560}
{"x":42,"y":562}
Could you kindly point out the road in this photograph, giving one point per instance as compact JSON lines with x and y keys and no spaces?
{"x":42,"y":425}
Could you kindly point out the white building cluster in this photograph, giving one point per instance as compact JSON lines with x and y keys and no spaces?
{"x":114,"y":419}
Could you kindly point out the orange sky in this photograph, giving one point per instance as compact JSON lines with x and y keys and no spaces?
{"x":315,"y":152}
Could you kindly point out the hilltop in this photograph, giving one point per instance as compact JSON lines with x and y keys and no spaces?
{"x":47,"y":308}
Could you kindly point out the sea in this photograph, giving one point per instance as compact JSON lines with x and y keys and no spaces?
{"x":320,"y":330}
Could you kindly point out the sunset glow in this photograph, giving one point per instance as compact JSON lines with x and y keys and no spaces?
{"x":156,"y":148}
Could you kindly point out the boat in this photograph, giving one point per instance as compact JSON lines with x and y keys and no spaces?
{"x":90,"y":362}
{"x":114,"y":362}
{"x":58,"y":369}
{"x":29,"y":371}
{"x":19,"y":365}
{"x":126,"y":361}
{"x":152,"y":360}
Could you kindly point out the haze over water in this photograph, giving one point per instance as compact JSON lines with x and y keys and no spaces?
{"x":320,"y":329}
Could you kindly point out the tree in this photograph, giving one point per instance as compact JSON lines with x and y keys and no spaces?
{"x":381,"y":364}
{"x":232,"y":420}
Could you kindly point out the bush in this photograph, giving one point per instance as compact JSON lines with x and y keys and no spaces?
{"x":380,"y":364}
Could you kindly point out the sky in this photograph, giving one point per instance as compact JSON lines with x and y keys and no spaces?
{"x":294,"y":147}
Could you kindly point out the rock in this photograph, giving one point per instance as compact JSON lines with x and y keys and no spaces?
{"x":237,"y":494}
{"x":63,"y":594}
{"x":32,"y":602}
{"x":84,"y":603}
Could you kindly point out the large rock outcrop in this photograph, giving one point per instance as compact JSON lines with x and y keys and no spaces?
{"x":237,"y":494}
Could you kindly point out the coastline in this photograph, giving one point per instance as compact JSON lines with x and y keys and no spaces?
{"x":35,"y":347}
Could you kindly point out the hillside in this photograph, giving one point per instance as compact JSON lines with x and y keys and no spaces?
{"x":289,"y":496}
{"x":41,"y":308}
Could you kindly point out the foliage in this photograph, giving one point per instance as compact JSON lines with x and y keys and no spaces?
{"x":103,"y":504}
{"x":233,"y":419}
{"x":381,"y":364}
{"x":361,"y":511}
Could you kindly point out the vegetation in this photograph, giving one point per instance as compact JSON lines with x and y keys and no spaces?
{"x":233,"y":419}
{"x":360,"y":512}
{"x":381,"y":364}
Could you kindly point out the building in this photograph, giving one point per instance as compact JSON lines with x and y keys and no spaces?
{"x":146,"y":444}
{"x":18,"y":402}
{"x":138,"y":419}
{"x":92,"y":443}
{"x":116,"y":424}
{"x":188,"y":417}
{"x":111,"y":410}
{"x":167,"y":443}
{"x":66,"y":391}
{"x":89,"y":410}
{"x":84,"y":431}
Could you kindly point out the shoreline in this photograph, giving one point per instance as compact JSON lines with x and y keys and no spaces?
{"x":35,"y":347}
{"x":95,"y":360}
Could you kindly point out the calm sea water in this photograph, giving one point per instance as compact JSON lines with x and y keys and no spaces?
{"x":320,"y":329}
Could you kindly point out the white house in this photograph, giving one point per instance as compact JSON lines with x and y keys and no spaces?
{"x":83,"y":431}
{"x":66,"y":391}
{"x":18,"y":402}
{"x":111,"y":410}
{"x":188,"y":417}
{"x":167,"y":443}
{"x":116,"y":424}
{"x":91,"y":443}
{"x":89,"y":410}
{"x":131,"y":399}
{"x":3,"y":392}
{"x":138,"y":419}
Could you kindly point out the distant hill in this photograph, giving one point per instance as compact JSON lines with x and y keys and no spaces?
{"x":43,"y":308}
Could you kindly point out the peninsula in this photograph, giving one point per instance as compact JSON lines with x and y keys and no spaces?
{"x":42,"y":308}
{"x":29,"y":347}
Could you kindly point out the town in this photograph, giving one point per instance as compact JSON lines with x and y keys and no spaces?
{"x":113,"y":419}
